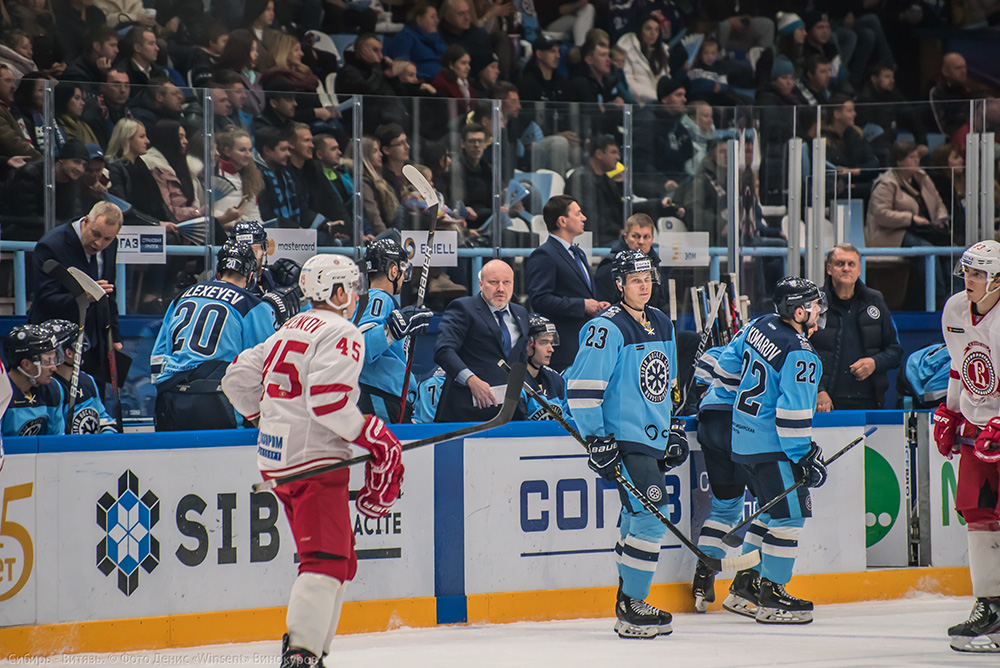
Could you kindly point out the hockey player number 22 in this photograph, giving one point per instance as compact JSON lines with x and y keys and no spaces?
{"x":744,"y":403}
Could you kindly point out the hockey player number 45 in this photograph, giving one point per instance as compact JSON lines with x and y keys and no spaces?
{"x":286,"y":367}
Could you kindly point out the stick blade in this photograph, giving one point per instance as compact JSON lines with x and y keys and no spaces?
{"x":740,"y":563}
{"x":421,"y":185}
{"x":55,"y":269}
{"x":88,"y":284}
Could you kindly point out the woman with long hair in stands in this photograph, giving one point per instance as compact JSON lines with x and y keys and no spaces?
{"x":174,"y":170}
{"x":241,"y":179}
{"x":28,"y":108}
{"x":381,"y":206}
{"x":289,"y":68}
{"x":69,"y":105}
{"x":240,"y":55}
{"x":258,"y":17}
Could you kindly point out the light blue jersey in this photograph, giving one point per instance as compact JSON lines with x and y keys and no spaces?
{"x":551,"y":386}
{"x":211,"y":320}
{"x":385,"y":358}
{"x":778,"y":375}
{"x":41,"y":413}
{"x":620,"y":382}
{"x":425,"y":404}
{"x":89,"y":414}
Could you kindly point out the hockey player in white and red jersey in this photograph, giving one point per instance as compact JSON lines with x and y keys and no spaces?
{"x":301,"y":387}
{"x":969,"y":423}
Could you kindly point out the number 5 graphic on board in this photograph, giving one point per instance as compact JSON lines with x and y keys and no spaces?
{"x":21,"y":536}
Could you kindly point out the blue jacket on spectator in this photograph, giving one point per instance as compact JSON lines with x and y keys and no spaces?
{"x":420,"y":47}
{"x":279,"y":198}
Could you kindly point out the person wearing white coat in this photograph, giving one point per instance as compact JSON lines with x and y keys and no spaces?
{"x":640,"y":72}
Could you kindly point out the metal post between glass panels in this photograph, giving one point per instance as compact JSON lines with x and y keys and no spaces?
{"x":627,"y":161}
{"x":49,"y":149}
{"x":972,"y":198}
{"x":497,"y":229}
{"x":794,"y":263}
{"x":208,"y":154}
{"x":734,"y":163}
{"x":814,"y":223}
{"x":358,"y":175}
{"x":986,"y":174}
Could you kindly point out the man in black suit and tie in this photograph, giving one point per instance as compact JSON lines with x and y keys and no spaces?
{"x":474,"y":334}
{"x":560,"y":281}
{"x":89,"y":244}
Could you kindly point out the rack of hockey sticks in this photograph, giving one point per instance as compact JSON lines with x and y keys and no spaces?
{"x":739,"y":563}
{"x":512,"y":395}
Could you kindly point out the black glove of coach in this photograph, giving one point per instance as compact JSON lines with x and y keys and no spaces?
{"x":677,"y":446}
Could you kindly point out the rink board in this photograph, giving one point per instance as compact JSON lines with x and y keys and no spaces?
{"x":156,"y":540}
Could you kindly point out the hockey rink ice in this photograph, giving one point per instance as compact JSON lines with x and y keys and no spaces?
{"x":906,"y":632}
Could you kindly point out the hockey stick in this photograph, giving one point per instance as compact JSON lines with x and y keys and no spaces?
{"x":429,"y":195}
{"x":732,"y":540}
{"x":725,"y":564}
{"x":103,"y":299}
{"x":511,"y":398}
{"x":705,"y":332}
{"x":54,"y":269}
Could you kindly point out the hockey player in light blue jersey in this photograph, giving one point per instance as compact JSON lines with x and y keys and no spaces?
{"x":428,"y":394}
{"x":619,"y":392}
{"x":542,"y":340}
{"x":204,"y":329}
{"x":277,"y":284}
{"x":774,"y":373}
{"x":36,"y":407}
{"x":89,"y":414}
{"x":385,"y":327}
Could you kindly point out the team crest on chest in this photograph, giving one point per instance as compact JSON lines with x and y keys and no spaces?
{"x":978,"y":374}
{"x":654,"y":377}
{"x":87,"y":421}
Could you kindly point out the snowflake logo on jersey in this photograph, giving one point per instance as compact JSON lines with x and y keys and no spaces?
{"x":33,"y":427}
{"x":86,"y":422}
{"x":654,"y":377}
{"x":127,"y":521}
{"x":978,"y":374}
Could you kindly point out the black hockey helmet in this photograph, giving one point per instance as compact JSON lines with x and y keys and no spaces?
{"x":65,"y":331}
{"x":250,"y":232}
{"x":236,"y":256}
{"x":384,"y":253}
{"x":632,"y":262}
{"x":792,"y":292}
{"x":32,"y":342}
{"x":539,"y":324}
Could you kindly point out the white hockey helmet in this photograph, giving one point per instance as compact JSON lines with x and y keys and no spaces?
{"x":983,"y":256}
{"x":321,"y":274}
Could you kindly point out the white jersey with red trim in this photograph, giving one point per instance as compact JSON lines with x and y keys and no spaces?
{"x":974,"y":346}
{"x":303,"y":384}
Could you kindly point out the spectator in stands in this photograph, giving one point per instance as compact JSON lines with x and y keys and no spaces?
{"x":290,"y":71}
{"x":559,"y":279}
{"x":321,"y":208}
{"x":110,"y":107}
{"x":236,"y":92}
{"x":704,"y":197}
{"x":814,"y":86}
{"x":791,"y":40}
{"x":659,"y":161}
{"x":777,"y":126}
{"x":406,"y":82}
{"x":75,"y":20}
{"x":175,"y":172}
{"x":35,"y":18}
{"x":279,"y":199}
{"x":240,"y":56}
{"x":258,"y":17}
{"x":90,"y":69}
{"x":91,"y":245}
{"x":24,"y":200}
{"x":847,"y":149}
{"x":949,"y":108}
{"x":380,"y":204}
{"x":475,"y":187}
{"x":206,"y":56}
{"x":141,"y":67}
{"x":326,"y":149}
{"x":819,"y":43}
{"x":523,"y":142}
{"x":881,"y":104}
{"x":395,"y":147}
{"x":474,"y":333}
{"x":16,"y":52}
{"x":457,"y":28}
{"x":13,"y":140}
{"x":484,"y":80}
{"x":743,"y":32}
{"x":282,"y":103}
{"x":593,"y":81}
{"x":131,"y":179}
{"x":574,"y":19}
{"x":906,"y":210}
{"x":948,"y":174}
{"x":639,"y":234}
{"x":95,"y":177}
{"x":597,"y":194}
{"x":69,"y":107}
{"x":865,"y":31}
{"x":437,"y":156}
{"x":647,"y":58}
{"x":453,"y":80}
{"x":162,"y":100}
{"x":858,"y":345}
{"x":363,"y":74}
{"x":419,"y":41}
{"x":29,"y":108}
{"x":236,"y":201}
{"x":700,"y":125}
{"x":542,"y":81}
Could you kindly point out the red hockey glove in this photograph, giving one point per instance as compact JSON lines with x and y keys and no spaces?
{"x":988,"y":442}
{"x":946,"y":424}
{"x":378,"y":440}
{"x":380,"y":491}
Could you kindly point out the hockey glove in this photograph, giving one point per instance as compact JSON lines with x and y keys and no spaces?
{"x":677,"y":446}
{"x":813,"y":468}
{"x":286,"y":302}
{"x":408,"y":321}
{"x":988,"y":442}
{"x":946,"y":424}
{"x":385,"y":448}
{"x":604,"y":456}
{"x":380,"y":491}
{"x":285,"y":272}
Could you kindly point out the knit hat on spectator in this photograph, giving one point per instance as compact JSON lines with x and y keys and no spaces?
{"x":788,"y":22}
{"x":74,"y":150}
{"x":481,"y":64}
{"x":782,"y":66}
{"x":811,"y":17}
{"x":665,"y":86}
{"x":544,"y":43}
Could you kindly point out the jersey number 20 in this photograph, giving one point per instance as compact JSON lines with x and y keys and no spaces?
{"x":198,"y":340}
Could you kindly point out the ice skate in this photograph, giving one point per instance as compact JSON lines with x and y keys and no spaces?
{"x":703,"y":587}
{"x":981,"y":631}
{"x":776,"y":606}
{"x":296,"y":657}
{"x":743,"y":594}
{"x":638,"y":619}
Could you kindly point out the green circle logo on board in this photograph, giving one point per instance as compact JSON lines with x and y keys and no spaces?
{"x":881,"y":497}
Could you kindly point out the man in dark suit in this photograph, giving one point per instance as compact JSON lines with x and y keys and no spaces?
{"x":470,"y":341}
{"x":560,"y":281}
{"x":89,"y":244}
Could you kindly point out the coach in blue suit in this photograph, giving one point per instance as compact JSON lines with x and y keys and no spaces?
{"x":470,"y":341}
{"x":560,"y":280}
{"x":90,"y":244}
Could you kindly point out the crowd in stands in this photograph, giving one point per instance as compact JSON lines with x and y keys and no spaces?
{"x":131,"y":81}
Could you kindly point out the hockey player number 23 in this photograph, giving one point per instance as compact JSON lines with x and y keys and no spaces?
{"x":597,"y":337}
